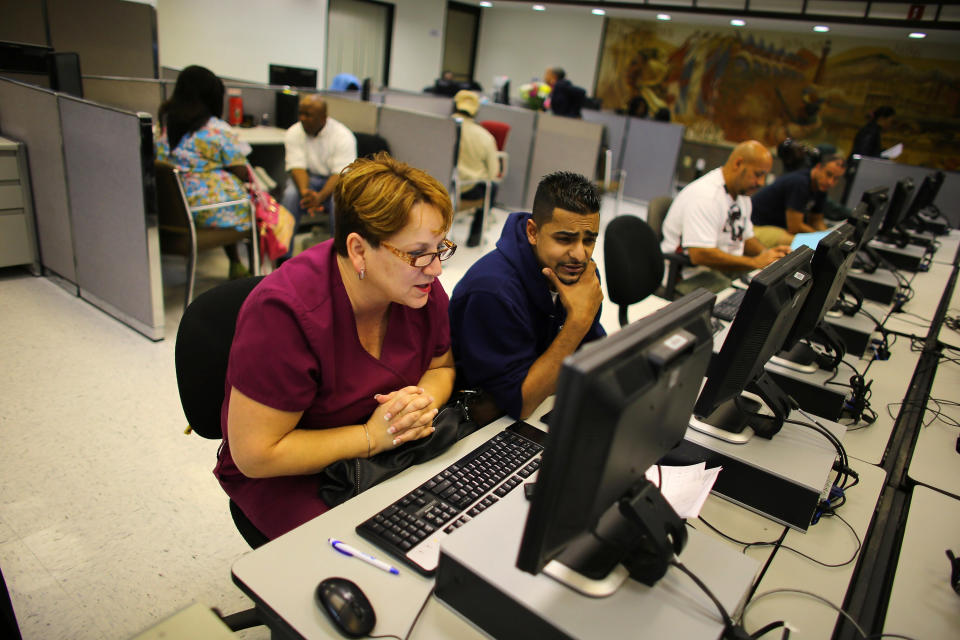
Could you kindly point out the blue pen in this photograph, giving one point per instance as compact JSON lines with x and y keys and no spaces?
{"x":347,"y":550}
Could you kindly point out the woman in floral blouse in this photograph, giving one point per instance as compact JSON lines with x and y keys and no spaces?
{"x":208,"y":152}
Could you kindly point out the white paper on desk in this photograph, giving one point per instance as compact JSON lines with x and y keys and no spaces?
{"x":892,"y":152}
{"x":685,"y":488}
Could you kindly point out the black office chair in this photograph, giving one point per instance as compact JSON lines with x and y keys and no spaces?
{"x":369,"y":143}
{"x":633,"y":264}
{"x":656,"y":212}
{"x":201,"y":353}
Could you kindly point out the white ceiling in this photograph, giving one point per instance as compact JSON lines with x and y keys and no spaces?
{"x":683,"y":13}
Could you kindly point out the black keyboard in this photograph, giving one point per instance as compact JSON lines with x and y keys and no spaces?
{"x":412,"y":527}
{"x":727,"y":308}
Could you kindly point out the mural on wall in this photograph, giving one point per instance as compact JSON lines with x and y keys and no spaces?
{"x":726,"y":86}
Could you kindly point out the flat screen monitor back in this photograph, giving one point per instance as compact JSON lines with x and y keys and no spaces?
{"x":65,"y":73}
{"x":831,"y":261}
{"x":897,"y":207}
{"x":766,"y":315}
{"x":621,"y":404}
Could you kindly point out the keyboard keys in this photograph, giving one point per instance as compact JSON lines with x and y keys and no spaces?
{"x":409,"y":528}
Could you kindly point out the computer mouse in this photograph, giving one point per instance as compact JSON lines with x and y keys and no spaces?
{"x":347,"y":606}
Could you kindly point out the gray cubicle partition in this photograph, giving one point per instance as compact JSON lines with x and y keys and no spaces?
{"x":650,"y":158}
{"x":359,"y":117}
{"x":108,"y":154}
{"x":131,"y":94}
{"x":563,"y":144}
{"x":258,"y":100}
{"x":519,"y":147}
{"x":614,"y":140}
{"x":424,"y":140}
{"x":425,"y":102}
{"x":31,"y":115}
{"x":877,"y":172}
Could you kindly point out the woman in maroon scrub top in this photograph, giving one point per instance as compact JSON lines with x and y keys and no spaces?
{"x":344,"y":351}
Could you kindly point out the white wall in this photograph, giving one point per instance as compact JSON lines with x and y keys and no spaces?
{"x":417,"y":51}
{"x":521,"y":44}
{"x":240,"y":38}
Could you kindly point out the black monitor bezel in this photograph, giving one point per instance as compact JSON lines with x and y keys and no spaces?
{"x":829,"y":266}
{"x":758,"y":331}
{"x":925,"y":194}
{"x":280,"y":74}
{"x":574,"y":486}
{"x":898,"y":205}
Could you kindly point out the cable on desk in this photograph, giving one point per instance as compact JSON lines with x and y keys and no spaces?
{"x":805,"y":593}
{"x":415,"y":618}
{"x":937,"y":414}
{"x":734,"y":540}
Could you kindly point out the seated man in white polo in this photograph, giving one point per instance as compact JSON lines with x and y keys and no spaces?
{"x":317,"y":149}
{"x":709,"y":221}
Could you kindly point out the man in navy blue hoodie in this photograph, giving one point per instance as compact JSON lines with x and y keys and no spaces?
{"x":528,"y":304}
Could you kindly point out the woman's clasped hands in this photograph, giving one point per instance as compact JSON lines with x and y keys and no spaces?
{"x":404,"y":415}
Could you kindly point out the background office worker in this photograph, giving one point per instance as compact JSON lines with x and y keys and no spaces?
{"x":316,"y":148}
{"x":345,"y":351}
{"x":794,"y":202}
{"x":532,"y":301}
{"x":477,"y":159}
{"x":566,"y":99}
{"x":212,"y":158}
{"x":709,"y":220}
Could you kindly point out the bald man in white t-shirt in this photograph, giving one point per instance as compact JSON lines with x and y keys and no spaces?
{"x":709,"y":221}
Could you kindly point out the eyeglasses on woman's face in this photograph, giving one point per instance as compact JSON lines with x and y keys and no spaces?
{"x":424,"y":259}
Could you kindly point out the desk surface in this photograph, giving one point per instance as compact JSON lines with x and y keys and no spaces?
{"x":935,"y":460}
{"x":922,"y":604}
{"x":284,"y":573}
{"x":260,"y":135}
{"x":948,"y":247}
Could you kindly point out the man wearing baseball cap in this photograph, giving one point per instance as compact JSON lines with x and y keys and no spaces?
{"x":477,"y":161}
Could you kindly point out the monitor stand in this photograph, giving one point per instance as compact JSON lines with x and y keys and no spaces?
{"x":801,"y":358}
{"x":478,"y":579}
{"x":636,"y":537}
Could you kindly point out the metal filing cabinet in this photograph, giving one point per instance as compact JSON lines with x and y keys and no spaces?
{"x":18,"y":236}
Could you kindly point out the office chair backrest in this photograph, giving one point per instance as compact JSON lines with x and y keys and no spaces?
{"x":499,"y":130}
{"x":633,"y":264}
{"x":656,"y":212}
{"x":369,"y":144}
{"x":202,"y":350}
{"x":173,"y":213}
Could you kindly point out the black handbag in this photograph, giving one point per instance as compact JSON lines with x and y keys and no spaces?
{"x":345,"y":479}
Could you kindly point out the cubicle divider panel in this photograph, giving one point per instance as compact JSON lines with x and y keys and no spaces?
{"x":650,"y":158}
{"x":424,"y":140}
{"x":258,"y":100}
{"x":130,"y":94}
{"x":344,"y":95}
{"x":879,"y":172}
{"x":31,"y":115}
{"x":615,"y":138}
{"x":519,"y":147}
{"x":425,"y":102}
{"x":107,"y":153}
{"x":563,"y":144}
{"x":359,"y":117}
{"x":710,"y":156}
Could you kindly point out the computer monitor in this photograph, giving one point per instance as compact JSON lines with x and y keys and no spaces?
{"x":65,"y":75}
{"x":293,"y":76}
{"x":897,"y":209}
{"x":828,"y":268}
{"x":867,"y":216}
{"x":621,"y":404}
{"x":768,"y":312}
{"x":926,"y":194}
